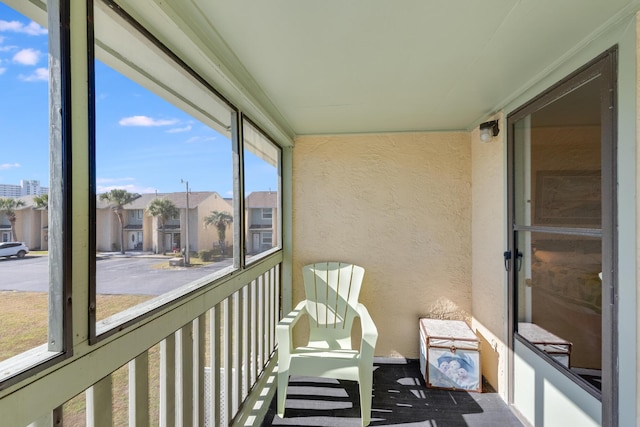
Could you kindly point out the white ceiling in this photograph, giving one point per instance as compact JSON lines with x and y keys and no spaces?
{"x":351,"y":66}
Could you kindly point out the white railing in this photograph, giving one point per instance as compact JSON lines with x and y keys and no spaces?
{"x":234,"y":338}
{"x":171,"y":382}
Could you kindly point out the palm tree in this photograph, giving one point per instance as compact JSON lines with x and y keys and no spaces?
{"x":41,"y":201}
{"x":220,"y":220}
{"x":118,"y":198}
{"x":163,"y":209}
{"x":8,"y":206}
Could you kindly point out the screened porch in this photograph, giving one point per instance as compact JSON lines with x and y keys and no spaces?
{"x":196,"y":155}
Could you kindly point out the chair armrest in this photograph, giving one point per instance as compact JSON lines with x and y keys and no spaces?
{"x":284,"y":328}
{"x":369,"y":333}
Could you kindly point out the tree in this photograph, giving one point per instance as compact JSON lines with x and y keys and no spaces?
{"x":163,"y":209}
{"x":118,"y":198}
{"x":8,"y":206}
{"x":220,"y":220}
{"x":41,"y":201}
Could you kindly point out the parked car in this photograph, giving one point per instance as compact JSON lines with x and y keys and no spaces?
{"x":17,"y":249}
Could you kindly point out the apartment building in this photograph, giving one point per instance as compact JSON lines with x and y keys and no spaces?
{"x":142,"y":232}
{"x":25,"y":188}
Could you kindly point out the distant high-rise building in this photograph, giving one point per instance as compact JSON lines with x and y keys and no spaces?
{"x":27,"y":187}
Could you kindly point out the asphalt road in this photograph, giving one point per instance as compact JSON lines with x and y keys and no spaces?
{"x":114,"y":275}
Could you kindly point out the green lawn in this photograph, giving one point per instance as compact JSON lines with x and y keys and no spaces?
{"x":23,"y":322}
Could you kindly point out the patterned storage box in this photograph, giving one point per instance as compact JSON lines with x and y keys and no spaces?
{"x":449,"y":355}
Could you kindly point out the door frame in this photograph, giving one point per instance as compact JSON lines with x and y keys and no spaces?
{"x":605,"y":66}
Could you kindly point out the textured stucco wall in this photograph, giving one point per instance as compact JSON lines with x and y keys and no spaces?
{"x":489,"y":304}
{"x":400,"y":206}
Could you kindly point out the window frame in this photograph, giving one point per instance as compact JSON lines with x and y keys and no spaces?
{"x":142,"y":311}
{"x":279,"y":243}
{"x":60,"y":336}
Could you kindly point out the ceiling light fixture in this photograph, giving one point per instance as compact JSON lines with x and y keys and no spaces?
{"x":488,"y":130}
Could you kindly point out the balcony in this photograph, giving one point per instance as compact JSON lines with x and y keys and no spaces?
{"x":170,"y":382}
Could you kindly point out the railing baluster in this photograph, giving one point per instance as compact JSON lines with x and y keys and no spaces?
{"x":227,"y":368}
{"x":260,"y":323}
{"x":199,"y":326}
{"x":185,"y":379}
{"x":99,"y":398}
{"x":246,"y":342}
{"x":167,"y":381}
{"x":237,"y":350}
{"x":215,"y":356}
{"x":277,"y":282}
{"x":267,"y":316}
{"x":264,"y":312}
{"x":267,"y":324}
{"x":272,"y":309}
{"x":139,"y":390}
{"x":254,"y":331}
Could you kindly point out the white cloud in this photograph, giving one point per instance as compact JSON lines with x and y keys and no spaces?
{"x":178,"y":130}
{"x":5,"y":166}
{"x":39,"y":75}
{"x":14,"y":26}
{"x":35,"y":29}
{"x":131,"y":188}
{"x":146,"y":121}
{"x":125,"y":183}
{"x":2,"y":70}
{"x":27,"y":57}
{"x":32,"y":28}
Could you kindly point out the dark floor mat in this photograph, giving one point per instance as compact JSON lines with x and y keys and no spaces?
{"x":399,"y":398}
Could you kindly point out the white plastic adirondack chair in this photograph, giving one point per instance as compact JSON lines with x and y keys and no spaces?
{"x":332,"y":290}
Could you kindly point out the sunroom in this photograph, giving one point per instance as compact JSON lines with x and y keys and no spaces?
{"x":478,"y":160}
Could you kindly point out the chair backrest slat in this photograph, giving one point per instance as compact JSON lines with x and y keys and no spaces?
{"x":333,"y":281}
{"x":332,"y":290}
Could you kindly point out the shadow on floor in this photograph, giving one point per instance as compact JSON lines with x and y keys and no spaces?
{"x":399,"y":398}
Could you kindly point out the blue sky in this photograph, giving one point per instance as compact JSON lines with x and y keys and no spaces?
{"x":144,"y":144}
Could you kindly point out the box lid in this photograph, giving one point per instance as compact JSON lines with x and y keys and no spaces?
{"x":448,"y":333}
{"x":438,"y":328}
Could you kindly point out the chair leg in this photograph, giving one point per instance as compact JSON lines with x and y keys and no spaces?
{"x":366,"y":389}
{"x":283,"y":382}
